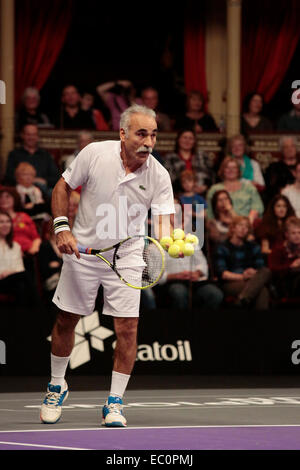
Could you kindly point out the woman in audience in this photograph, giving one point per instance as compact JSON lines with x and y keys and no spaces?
{"x":223,"y":212}
{"x":13,"y":279}
{"x":270,"y":229}
{"x":195,"y":117}
{"x":25,"y":232}
{"x":252,"y":119}
{"x":245,"y":197}
{"x":187,"y":157}
{"x":250,"y":168}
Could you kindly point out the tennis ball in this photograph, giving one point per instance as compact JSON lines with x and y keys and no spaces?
{"x":166,"y":242}
{"x":174,"y":251}
{"x":188,"y":249}
{"x":180,"y":243}
{"x":178,"y":234}
{"x":190,"y":238}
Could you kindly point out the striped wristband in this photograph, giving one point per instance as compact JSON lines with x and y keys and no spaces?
{"x":60,"y":224}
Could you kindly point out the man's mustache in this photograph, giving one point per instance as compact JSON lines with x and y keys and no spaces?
{"x":144,"y":149}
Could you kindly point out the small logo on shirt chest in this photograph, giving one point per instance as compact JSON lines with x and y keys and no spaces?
{"x":142,"y":187}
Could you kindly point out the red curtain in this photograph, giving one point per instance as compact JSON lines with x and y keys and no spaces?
{"x":270,"y":34}
{"x":41,"y":29}
{"x":194,"y":47}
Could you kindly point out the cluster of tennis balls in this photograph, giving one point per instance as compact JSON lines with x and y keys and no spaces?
{"x":179,"y":244}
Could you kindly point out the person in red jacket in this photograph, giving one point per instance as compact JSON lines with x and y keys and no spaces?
{"x":284,"y":260}
{"x":25,"y":232}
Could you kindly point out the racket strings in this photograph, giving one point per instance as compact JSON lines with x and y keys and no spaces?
{"x":139,"y":261}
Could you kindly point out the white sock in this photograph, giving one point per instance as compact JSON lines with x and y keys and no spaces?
{"x":58,"y":370}
{"x":118,"y":384}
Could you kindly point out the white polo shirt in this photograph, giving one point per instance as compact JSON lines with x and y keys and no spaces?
{"x":114,"y":205}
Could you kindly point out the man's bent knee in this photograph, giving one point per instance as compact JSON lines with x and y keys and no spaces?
{"x":126,"y":327}
{"x":67,"y":320}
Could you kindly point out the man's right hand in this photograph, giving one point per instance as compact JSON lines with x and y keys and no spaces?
{"x":66,"y":243}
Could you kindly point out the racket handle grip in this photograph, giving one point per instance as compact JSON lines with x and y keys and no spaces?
{"x":82,"y":249}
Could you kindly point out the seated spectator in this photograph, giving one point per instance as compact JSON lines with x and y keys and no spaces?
{"x":284,"y":261}
{"x":150,"y":99}
{"x":195,"y":117}
{"x":13,"y":278}
{"x":24,"y":229}
{"x":239,"y":265}
{"x":47,"y":173}
{"x":71,"y":115}
{"x":83,"y":139}
{"x":251,"y":170}
{"x":290,"y":121}
{"x":188,"y":180}
{"x":187,"y":157}
{"x":245,"y":197}
{"x":87,"y":104}
{"x":222,"y":208}
{"x":181,"y":274}
{"x":31,"y":196}
{"x":280,"y":174}
{"x":270,"y":229}
{"x":50,"y":262}
{"x":30,"y":112}
{"x":117,"y":96}
{"x":252,"y":119}
{"x":292,"y":191}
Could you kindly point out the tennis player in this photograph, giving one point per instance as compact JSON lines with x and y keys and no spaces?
{"x":110,"y":173}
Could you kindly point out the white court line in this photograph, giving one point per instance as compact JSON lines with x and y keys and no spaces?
{"x":40,"y":445}
{"x":159,"y":427}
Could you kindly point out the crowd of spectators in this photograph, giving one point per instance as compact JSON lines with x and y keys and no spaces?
{"x":251,"y":216}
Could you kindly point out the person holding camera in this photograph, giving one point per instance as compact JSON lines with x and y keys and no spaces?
{"x":117,"y":96}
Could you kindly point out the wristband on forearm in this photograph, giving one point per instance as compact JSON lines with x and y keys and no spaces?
{"x":60,"y":224}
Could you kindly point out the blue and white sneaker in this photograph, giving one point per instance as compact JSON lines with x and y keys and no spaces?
{"x":52,"y":404}
{"x":112,"y":413}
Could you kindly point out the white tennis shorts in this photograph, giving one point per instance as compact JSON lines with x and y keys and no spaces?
{"x":78,"y":286}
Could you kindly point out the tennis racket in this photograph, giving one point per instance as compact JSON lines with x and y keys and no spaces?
{"x":139,"y":261}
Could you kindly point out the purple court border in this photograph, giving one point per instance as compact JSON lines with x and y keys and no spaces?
{"x":163,"y":438}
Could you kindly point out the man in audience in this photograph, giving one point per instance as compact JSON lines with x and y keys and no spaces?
{"x":284,"y":260}
{"x":47,"y":173}
{"x":150,"y":99}
{"x":290,"y":121}
{"x":71,"y":115}
{"x":281,"y":173}
{"x":186,"y":279}
{"x":292,"y":191}
{"x":30,"y":112}
{"x":239,"y":265}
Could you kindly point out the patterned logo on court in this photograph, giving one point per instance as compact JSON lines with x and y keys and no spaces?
{"x":88,"y":333}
